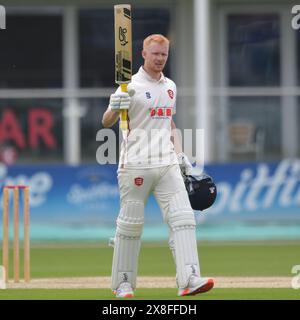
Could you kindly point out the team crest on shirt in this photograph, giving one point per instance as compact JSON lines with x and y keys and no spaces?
{"x":171,"y":93}
{"x":138,"y":181}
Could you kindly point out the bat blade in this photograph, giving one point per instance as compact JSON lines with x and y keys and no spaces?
{"x":123,"y":44}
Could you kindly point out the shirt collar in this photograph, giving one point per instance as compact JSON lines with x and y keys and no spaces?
{"x":146,"y":75}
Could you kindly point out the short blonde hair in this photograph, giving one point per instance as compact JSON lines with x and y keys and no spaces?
{"x":158,"y":38}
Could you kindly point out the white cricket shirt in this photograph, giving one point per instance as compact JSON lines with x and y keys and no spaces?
{"x":147,"y":142}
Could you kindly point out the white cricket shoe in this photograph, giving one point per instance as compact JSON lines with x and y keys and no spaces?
{"x":124,"y":291}
{"x":196,"y":285}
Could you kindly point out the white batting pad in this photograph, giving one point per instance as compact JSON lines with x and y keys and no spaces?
{"x":182,"y":240}
{"x":2,"y":277}
{"x":180,"y":211}
{"x":185,"y":254}
{"x":127,"y":243}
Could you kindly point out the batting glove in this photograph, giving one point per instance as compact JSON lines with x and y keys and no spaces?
{"x":121,"y":101}
{"x":184,"y":164}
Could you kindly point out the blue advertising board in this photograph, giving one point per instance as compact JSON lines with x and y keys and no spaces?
{"x":255,"y":201}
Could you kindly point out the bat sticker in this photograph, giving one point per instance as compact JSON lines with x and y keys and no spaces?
{"x":122,"y":36}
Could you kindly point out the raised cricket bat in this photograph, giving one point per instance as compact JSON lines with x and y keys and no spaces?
{"x":123,"y":52}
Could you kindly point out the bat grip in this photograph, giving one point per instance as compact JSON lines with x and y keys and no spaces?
{"x":123,"y":116}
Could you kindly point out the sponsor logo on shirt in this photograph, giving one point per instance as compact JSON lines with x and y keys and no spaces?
{"x":161,"y":112}
{"x":148,"y":95}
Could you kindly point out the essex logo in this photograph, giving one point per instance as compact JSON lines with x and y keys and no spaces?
{"x":171,"y":93}
{"x":138,"y":181}
{"x":148,"y":95}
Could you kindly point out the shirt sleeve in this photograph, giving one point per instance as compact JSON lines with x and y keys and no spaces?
{"x":175,"y":98}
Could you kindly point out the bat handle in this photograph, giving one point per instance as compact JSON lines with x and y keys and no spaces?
{"x":123,"y":116}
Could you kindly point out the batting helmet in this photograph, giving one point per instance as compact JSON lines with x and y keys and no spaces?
{"x":202,"y":191}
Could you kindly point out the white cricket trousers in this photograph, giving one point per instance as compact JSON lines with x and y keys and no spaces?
{"x":168,"y":187}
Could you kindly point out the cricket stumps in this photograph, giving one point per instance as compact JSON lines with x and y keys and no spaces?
{"x":16,"y":238}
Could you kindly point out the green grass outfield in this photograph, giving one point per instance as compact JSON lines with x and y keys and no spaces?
{"x":217,"y":259}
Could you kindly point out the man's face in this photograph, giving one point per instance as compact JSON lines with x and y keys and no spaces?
{"x":156,"y":56}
